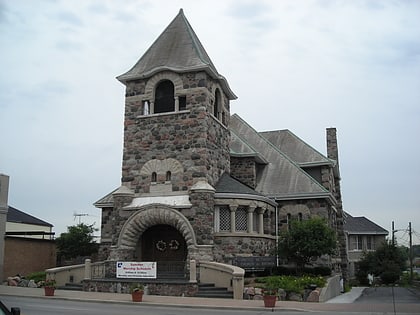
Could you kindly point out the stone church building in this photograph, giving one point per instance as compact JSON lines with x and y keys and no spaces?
{"x":197,"y":182}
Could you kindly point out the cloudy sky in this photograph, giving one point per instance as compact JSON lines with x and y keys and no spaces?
{"x":298,"y":65}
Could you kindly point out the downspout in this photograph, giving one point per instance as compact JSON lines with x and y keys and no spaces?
{"x":277,"y":237}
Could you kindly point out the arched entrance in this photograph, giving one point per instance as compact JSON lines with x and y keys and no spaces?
{"x":165,"y":245}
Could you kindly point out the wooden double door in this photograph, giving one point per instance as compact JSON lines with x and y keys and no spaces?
{"x":165,"y":245}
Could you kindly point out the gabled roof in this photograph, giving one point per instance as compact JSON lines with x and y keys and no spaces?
{"x":16,"y":216}
{"x":177,"y":49}
{"x":295,"y":148}
{"x":281,"y":177}
{"x":362,"y":225}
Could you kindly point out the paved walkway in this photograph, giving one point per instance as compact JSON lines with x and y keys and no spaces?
{"x":348,"y":297}
{"x":338,"y":304}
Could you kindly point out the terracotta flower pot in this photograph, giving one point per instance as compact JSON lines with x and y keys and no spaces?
{"x":49,"y":291}
{"x":270,"y":300}
{"x":137,"y":296}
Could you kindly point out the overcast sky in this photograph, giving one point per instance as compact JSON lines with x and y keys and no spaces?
{"x":298,"y":65}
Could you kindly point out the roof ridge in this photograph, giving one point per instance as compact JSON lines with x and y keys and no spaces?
{"x":197,"y":43}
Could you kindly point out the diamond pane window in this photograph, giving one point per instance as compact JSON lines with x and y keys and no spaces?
{"x":241,"y":219}
{"x":224,"y":219}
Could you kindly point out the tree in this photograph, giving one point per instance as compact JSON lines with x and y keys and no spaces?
{"x":306,"y":240}
{"x":77,"y":241}
{"x":387,"y":262}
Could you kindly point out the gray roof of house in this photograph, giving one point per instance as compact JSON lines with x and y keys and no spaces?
{"x":295,"y":148}
{"x":228,"y":184}
{"x":16,"y":216}
{"x":362,"y":225}
{"x":281,"y":177}
{"x":177,"y":49}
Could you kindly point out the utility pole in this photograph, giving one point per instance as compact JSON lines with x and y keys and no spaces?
{"x":411,"y":252}
{"x":393,"y":237}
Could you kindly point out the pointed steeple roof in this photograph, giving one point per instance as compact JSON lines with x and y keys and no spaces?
{"x":177,"y":49}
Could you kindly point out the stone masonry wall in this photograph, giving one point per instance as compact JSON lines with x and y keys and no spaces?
{"x":201,"y":217}
{"x":227,"y":247}
{"x":244,"y":170}
{"x":194,"y":138}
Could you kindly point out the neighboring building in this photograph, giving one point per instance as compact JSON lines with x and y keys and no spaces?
{"x":362,"y":235}
{"x":21,"y":224}
{"x":27,"y":243}
{"x":198,"y":183}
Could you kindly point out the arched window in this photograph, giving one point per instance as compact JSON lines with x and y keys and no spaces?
{"x":300,"y":217}
{"x":217,"y":103}
{"x":164,"y":97}
{"x":168,"y":176}
{"x":154,"y":177}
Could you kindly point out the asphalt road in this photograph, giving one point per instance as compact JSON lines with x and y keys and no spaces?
{"x":398,"y":295}
{"x":374,"y":301}
{"x":40,"y":306}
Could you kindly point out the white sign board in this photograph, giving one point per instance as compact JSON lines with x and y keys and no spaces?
{"x":136,"y":269}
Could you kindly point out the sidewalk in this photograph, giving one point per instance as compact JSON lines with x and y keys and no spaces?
{"x":191,"y":302}
{"x":348,"y":297}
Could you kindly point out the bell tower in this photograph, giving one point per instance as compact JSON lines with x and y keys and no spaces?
{"x":176,"y":116}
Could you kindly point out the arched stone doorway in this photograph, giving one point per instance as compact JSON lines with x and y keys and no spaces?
{"x":158,"y":233}
{"x":165,"y":245}
{"x":162,"y":243}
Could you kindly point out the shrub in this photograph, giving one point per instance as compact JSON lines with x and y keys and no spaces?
{"x":292,"y":284}
{"x":37,"y":276}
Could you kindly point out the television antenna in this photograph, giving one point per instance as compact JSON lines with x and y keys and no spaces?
{"x":79,"y":215}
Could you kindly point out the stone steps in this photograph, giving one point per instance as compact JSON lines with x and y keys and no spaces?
{"x":71,"y":286}
{"x":208,"y":290}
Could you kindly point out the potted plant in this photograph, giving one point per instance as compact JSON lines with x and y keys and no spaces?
{"x":270,"y":292}
{"x":49,"y":286}
{"x":137,"y":291}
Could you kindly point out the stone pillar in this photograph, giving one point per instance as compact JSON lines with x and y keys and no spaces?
{"x":152,"y":107}
{"x":176,"y":103}
{"x":193,"y":271}
{"x":88,"y":269}
{"x":250,"y":218}
{"x":233,"y":218}
{"x":238,"y":286}
{"x":261,"y":221}
{"x":4,"y":196}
